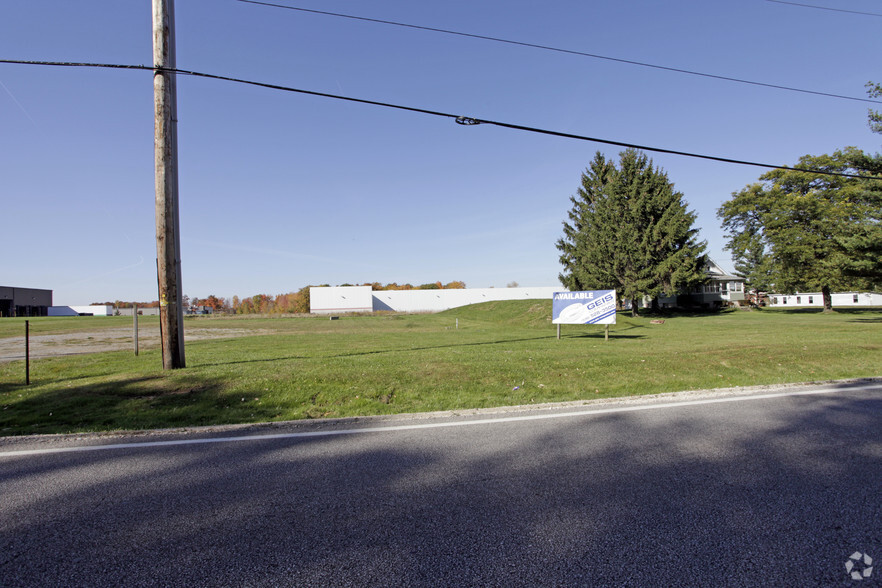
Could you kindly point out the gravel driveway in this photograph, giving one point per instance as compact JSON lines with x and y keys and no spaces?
{"x":13,"y":348}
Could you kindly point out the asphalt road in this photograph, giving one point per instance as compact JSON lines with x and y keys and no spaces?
{"x":746,"y":488}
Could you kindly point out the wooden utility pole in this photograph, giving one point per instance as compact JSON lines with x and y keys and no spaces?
{"x":168,"y":233}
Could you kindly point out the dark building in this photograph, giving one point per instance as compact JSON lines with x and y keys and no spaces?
{"x":24,"y":301}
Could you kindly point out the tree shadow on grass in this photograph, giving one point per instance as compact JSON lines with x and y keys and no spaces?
{"x":672,"y":313}
{"x":860,"y":315}
{"x":9,"y":387}
{"x":846,"y":311}
{"x":687,"y":496}
{"x":863,"y":315}
{"x":126,"y":404}
{"x":378,"y":351}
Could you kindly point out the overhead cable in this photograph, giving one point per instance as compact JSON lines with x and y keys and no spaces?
{"x":463,"y":120}
{"x":568,"y":51}
{"x":825,"y":8}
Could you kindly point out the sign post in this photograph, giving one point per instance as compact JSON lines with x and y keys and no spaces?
{"x":592,"y":307}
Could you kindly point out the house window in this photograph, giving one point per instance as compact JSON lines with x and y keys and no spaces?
{"x":784,"y":300}
{"x":854,"y":298}
{"x":799,"y":299}
{"x":811,"y":299}
{"x":775,"y":300}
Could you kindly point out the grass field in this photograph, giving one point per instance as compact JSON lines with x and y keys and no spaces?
{"x":503,"y":353}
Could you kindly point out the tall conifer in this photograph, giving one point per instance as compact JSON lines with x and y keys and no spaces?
{"x":631,"y":231}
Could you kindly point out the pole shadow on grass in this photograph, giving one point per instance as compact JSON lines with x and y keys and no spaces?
{"x":600,"y":335}
{"x":693,"y":496}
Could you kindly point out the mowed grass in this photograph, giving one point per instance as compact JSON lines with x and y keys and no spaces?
{"x":503,"y":353}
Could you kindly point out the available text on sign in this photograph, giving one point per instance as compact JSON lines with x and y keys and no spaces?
{"x":593,"y":307}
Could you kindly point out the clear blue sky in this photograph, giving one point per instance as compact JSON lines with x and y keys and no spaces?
{"x":280,"y":190}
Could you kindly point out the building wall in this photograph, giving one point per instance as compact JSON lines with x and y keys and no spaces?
{"x":340,"y":299}
{"x":94,"y":310}
{"x":816,"y":300}
{"x":363,"y":299}
{"x":24,"y":301}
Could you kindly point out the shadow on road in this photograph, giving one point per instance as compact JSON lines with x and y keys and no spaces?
{"x":708,"y":496}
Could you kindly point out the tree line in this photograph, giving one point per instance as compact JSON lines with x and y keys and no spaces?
{"x":290,"y":303}
{"x":793,"y":230}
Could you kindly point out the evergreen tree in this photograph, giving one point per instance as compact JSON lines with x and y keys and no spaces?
{"x":587,"y":242}
{"x":631,"y":231}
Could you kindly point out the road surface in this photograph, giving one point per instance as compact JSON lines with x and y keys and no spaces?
{"x":743,"y":488}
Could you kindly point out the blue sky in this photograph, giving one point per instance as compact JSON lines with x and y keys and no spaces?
{"x":281,"y":190}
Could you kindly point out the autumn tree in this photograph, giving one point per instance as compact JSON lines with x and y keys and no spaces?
{"x":262,"y":303}
{"x":212,"y":302}
{"x":629,"y":230}
{"x":246,"y":306}
{"x":300,"y":302}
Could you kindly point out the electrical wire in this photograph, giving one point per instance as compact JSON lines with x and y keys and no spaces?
{"x":567,"y":51}
{"x":824,"y":8}
{"x":460,"y":119}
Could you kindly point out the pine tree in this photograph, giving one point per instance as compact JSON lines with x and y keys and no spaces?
{"x":631,"y":231}
{"x":587,"y":242}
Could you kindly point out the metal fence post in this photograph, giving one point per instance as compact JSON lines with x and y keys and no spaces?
{"x":27,"y":353}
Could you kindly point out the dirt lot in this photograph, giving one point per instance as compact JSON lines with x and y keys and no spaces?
{"x":13,"y":348}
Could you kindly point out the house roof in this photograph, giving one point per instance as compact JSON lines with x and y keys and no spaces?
{"x":716,"y":272}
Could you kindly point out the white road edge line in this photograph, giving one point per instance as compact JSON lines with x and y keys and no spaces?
{"x":392,"y":428}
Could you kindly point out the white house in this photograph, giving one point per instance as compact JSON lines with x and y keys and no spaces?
{"x":816,"y":300}
{"x":720,"y":289}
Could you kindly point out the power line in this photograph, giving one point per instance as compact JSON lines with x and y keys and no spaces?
{"x":824,"y":8}
{"x":460,"y":119}
{"x":567,"y":51}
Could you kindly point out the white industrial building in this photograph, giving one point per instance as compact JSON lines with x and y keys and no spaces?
{"x":816,"y":299}
{"x":345,"y":299}
{"x":91,"y":310}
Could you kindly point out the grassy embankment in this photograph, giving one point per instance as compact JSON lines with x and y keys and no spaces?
{"x":503,"y":353}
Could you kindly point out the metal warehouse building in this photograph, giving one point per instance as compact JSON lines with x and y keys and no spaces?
{"x":24,"y":301}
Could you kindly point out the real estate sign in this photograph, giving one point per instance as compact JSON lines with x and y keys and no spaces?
{"x":592,"y":307}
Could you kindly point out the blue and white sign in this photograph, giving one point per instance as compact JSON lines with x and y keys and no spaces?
{"x":593,"y":307}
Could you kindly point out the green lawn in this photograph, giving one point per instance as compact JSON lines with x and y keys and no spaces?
{"x":503,"y":353}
